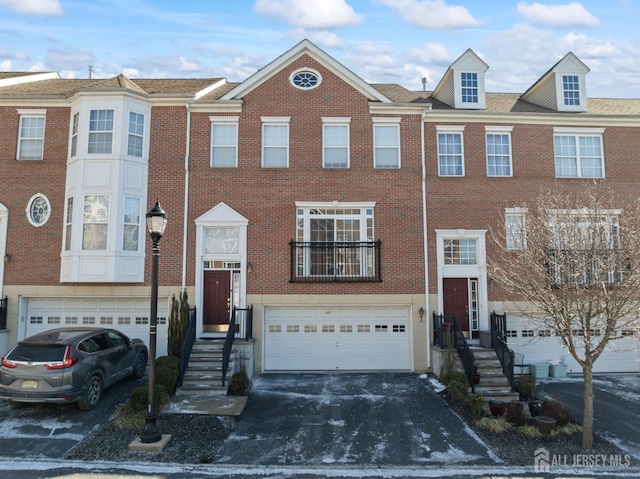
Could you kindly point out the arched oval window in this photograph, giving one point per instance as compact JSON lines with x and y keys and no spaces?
{"x":38,"y":210}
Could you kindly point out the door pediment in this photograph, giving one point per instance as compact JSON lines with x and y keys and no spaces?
{"x":221,"y":215}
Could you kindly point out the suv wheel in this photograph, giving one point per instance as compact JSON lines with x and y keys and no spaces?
{"x":92,"y":394}
{"x":140,"y":366}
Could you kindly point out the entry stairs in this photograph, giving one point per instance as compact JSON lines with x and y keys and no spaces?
{"x":493,"y":385}
{"x":204,"y":371}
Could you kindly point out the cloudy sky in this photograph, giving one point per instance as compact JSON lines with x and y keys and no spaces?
{"x":383,"y":41}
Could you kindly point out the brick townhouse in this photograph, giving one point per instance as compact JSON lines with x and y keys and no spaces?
{"x":342,"y":213}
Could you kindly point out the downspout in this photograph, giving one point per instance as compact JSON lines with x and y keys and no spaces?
{"x":424,"y":236}
{"x":186,"y":199}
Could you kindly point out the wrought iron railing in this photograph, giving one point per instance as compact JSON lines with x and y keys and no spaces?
{"x":3,"y":313}
{"x":187,"y":344}
{"x":500,"y":346}
{"x":331,"y":262}
{"x":240,"y":327}
{"x":448,"y":334}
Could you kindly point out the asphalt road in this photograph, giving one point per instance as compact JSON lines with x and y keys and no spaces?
{"x":615,"y":404}
{"x":51,"y":430}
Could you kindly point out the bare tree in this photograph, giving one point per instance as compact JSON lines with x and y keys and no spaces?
{"x":573,"y":257}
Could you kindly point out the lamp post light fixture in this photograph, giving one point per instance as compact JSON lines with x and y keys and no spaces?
{"x":156,"y":223}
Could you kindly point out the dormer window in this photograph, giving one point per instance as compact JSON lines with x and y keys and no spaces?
{"x":571,"y":90}
{"x":469,"y":86}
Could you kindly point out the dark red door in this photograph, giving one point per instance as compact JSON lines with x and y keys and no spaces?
{"x":216,"y":301}
{"x":456,"y":300}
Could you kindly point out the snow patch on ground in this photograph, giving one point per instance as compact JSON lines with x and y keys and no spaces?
{"x":51,"y":429}
{"x":437,"y":385}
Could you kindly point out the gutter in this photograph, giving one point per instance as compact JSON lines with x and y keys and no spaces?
{"x":424,"y":235}
{"x":186,"y":198}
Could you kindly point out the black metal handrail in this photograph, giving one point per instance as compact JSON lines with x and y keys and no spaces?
{"x":242,"y":329}
{"x":3,"y":312}
{"x":499,"y":345}
{"x":448,"y":334}
{"x":335,"y":262}
{"x":187,"y":344}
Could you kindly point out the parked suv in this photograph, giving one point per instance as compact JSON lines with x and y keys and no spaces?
{"x":68,"y":365}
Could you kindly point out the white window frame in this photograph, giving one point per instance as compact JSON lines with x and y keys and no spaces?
{"x":131,"y":221}
{"x":576,"y":134}
{"x":68,"y":224}
{"x":330,"y":122}
{"x":38,"y":210}
{"x":75,"y":126}
{"x":97,"y":133}
{"x":95,"y":218}
{"x":279,"y":122}
{"x":378,"y":146}
{"x":515,"y":228}
{"x":136,"y":135}
{"x":444,"y":130}
{"x":466,"y":91}
{"x":574,"y":98}
{"x":503,"y":131}
{"x":24,"y":140}
{"x":224,"y":121}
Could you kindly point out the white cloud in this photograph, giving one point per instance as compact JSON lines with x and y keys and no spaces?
{"x":38,"y":67}
{"x":6,"y":66}
{"x":131,"y":72}
{"x":33,"y":7}
{"x":187,"y":66}
{"x":310,"y":13}
{"x":562,"y":16}
{"x":431,"y":14}
{"x":322,"y":38}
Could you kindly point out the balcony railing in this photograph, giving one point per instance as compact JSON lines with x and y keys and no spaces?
{"x":337,"y":262}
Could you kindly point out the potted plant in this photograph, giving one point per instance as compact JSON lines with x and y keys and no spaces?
{"x":497,"y":409}
{"x":545,"y":424}
{"x":535,"y":408}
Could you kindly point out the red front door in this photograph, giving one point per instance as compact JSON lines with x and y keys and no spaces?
{"x":456,"y":300}
{"x":216,"y":301}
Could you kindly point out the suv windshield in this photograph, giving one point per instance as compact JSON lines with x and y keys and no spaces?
{"x":37,"y":354}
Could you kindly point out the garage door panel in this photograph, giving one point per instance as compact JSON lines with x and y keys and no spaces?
{"x":337,"y":339}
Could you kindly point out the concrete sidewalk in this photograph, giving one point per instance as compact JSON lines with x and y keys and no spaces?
{"x":350,"y":419}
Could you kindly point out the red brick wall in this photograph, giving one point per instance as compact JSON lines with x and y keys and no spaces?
{"x":34,"y":252}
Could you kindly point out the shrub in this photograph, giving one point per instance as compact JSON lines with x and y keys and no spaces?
{"x":558,"y":411}
{"x":239,"y":383}
{"x":167,"y":377}
{"x":132,"y":414}
{"x":178,"y":322}
{"x":515,"y":414}
{"x":446,"y":378}
{"x":475,"y":402}
{"x":526,"y":387}
{"x":493,"y":424}
{"x":458,"y":388}
{"x":171,"y":362}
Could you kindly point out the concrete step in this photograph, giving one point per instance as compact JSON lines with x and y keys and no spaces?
{"x":204,"y":390}
{"x":498,"y":396}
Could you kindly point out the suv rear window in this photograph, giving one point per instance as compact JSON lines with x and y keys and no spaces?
{"x":37,"y":354}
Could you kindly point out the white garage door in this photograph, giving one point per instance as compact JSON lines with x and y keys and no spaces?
{"x":130,"y":315}
{"x":337,"y":338}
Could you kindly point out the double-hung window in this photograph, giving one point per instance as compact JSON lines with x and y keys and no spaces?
{"x":95,"y":222}
{"x":578,"y":152}
{"x":571,"y":90}
{"x":335,"y":142}
{"x":498,"y":140}
{"x":386,"y":142}
{"x":584,"y":248}
{"x":136,"y":134}
{"x":469,"y":87}
{"x":450,"y":151}
{"x":275,"y":142}
{"x":131,"y":226}
{"x":224,"y":142}
{"x":31,"y":135}
{"x":74,"y":134}
{"x":515,"y":233}
{"x":68,"y":224}
{"x":101,"y":131}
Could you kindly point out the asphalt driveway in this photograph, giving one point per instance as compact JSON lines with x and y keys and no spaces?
{"x":51,"y":430}
{"x":350,"y":419}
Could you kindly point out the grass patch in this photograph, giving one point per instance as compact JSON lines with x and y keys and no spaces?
{"x":493,"y":424}
{"x":566,"y":430}
{"x":529,"y":431}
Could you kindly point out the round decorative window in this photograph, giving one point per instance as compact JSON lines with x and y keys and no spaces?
{"x":38,"y":210}
{"x":305,"y":78}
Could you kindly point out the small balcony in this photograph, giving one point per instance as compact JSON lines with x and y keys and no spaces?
{"x":337,"y":262}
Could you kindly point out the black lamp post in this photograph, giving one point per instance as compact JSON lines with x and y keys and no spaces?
{"x":156,"y":223}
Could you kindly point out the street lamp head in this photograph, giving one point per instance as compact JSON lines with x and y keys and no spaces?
{"x":156,"y":221}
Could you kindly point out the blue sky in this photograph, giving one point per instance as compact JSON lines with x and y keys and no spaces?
{"x":383,"y":41}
